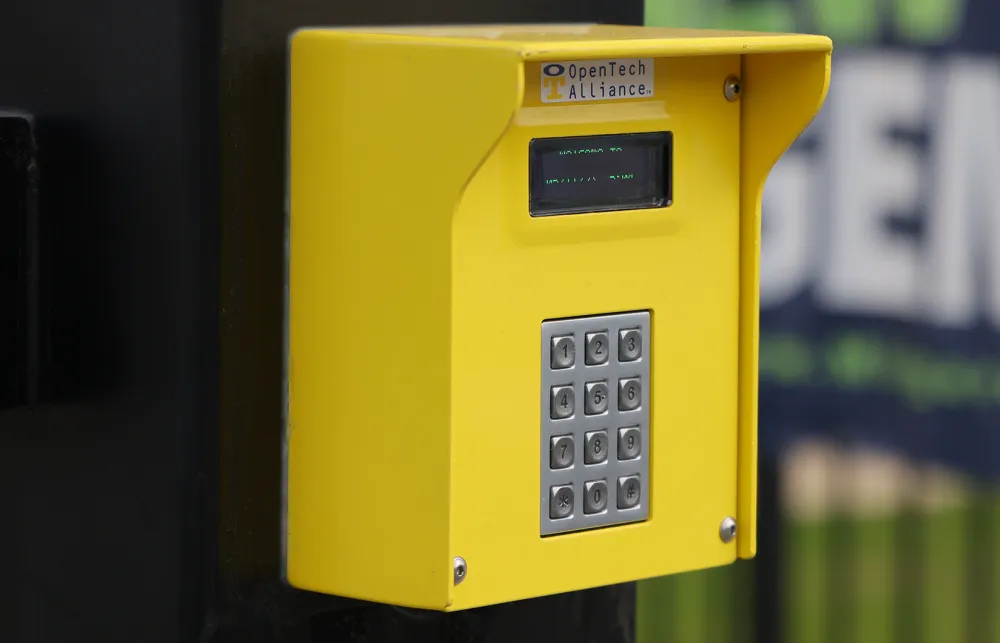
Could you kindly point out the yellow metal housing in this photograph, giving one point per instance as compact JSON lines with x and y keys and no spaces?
{"x":418,"y":283}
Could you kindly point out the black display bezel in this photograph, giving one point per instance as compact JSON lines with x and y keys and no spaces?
{"x":660,"y":145}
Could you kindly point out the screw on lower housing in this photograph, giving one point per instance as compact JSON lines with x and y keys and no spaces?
{"x":727,"y":530}
{"x":461,"y":569}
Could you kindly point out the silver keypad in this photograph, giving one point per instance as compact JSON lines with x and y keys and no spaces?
{"x":561,"y":454}
{"x":601,"y":486}
{"x":595,"y":398}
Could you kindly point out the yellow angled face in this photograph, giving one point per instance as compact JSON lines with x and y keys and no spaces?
{"x":512,"y":272}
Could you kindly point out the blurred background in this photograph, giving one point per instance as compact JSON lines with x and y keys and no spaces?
{"x":880,"y":362}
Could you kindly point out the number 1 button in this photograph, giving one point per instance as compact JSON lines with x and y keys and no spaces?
{"x":563,"y":352}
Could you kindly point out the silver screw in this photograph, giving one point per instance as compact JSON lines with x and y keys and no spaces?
{"x":461,"y":569}
{"x":732,"y":89}
{"x":727,"y":530}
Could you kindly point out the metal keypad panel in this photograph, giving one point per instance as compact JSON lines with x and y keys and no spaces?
{"x":594,"y":422}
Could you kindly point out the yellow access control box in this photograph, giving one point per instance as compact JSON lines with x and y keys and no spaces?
{"x":523,"y":303}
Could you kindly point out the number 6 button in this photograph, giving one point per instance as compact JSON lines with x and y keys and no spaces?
{"x":629,"y":394}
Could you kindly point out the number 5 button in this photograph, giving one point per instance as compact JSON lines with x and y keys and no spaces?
{"x":597,"y":398}
{"x":629,"y":394}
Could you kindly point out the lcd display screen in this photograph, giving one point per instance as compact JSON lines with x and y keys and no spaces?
{"x":599,"y":173}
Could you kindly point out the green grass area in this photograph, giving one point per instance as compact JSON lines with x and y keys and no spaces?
{"x":848,"y":580}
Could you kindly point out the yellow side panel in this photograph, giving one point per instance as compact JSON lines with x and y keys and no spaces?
{"x":378,"y":163}
{"x":781,"y":95}
{"x":512,"y":272}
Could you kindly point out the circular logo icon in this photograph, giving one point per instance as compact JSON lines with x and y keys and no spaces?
{"x":553,"y":69}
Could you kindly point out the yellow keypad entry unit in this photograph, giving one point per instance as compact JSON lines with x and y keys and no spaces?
{"x":523,"y":303}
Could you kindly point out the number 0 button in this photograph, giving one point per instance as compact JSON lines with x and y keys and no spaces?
{"x":629,"y":394}
{"x":595,"y":496}
{"x":563,"y":402}
{"x":561,"y":455}
{"x":629,"y":345}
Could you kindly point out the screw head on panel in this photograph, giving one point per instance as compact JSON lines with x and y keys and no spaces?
{"x":461,"y":569}
{"x":727,"y":530}
{"x":732,"y":89}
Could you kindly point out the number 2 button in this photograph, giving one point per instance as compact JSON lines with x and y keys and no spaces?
{"x":597,"y":348}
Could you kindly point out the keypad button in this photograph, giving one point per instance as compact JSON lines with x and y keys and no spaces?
{"x":563,"y":403}
{"x":629,"y":394}
{"x":561,"y":452}
{"x":629,"y":491}
{"x":629,"y":443}
{"x":563,"y":352}
{"x":595,"y":496}
{"x":597,"y":348}
{"x":560,"y":501}
{"x":629,"y":345}
{"x":595,"y":398}
{"x":595,"y":447}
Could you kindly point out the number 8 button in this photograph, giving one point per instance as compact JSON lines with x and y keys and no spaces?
{"x":629,"y":394}
{"x":595,"y":447}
